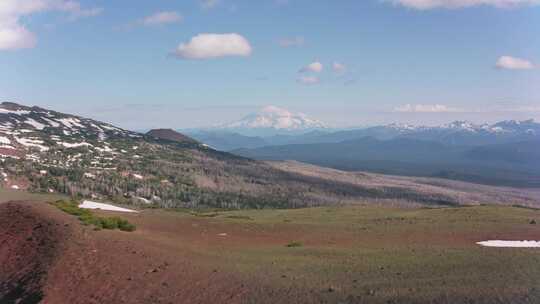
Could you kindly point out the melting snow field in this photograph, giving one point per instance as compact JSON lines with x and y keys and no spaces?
{"x":510,"y":244}
{"x":101,"y":206}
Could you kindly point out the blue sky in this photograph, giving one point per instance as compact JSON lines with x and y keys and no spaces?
{"x":346,"y":62}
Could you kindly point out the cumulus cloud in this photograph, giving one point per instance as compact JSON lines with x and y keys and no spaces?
{"x":308,"y":80}
{"x":162,"y":18}
{"x":339,"y":67}
{"x":513,"y":63}
{"x":424,"y":108}
{"x":315,"y":67}
{"x":454,"y":4}
{"x":209,"y":4}
{"x":207,"y":46}
{"x":14,"y":35}
{"x":291,"y":42}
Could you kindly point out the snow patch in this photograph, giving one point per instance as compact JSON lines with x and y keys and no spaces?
{"x":32,"y":143}
{"x":16,"y":112}
{"x":89,"y":175}
{"x":102,"y":206}
{"x":510,"y":244}
{"x":5,"y":140}
{"x":51,"y":122}
{"x":35,"y":124}
{"x":70,"y":122}
{"x":75,"y":145}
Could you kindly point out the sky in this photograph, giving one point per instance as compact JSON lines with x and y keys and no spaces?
{"x":194,"y":63}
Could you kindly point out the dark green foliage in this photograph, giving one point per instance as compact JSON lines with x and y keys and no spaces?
{"x":294,"y":245}
{"x":240,"y":217}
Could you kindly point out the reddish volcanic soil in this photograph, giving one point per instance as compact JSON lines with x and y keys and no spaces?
{"x":45,"y":253}
{"x":47,"y":256}
{"x":29,"y":243}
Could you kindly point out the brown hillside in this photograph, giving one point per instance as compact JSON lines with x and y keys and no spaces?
{"x":169,"y":134}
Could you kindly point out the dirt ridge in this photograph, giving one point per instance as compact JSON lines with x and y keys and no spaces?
{"x":30,"y":241}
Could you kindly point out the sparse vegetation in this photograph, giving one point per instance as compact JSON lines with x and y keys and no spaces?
{"x":294,"y":245}
{"x":239,"y":217}
{"x":88,"y":218}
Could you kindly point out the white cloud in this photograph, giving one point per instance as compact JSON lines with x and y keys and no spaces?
{"x":14,"y":35}
{"x":513,"y":63}
{"x":308,"y":80}
{"x":162,"y":18}
{"x":315,"y":67}
{"x":339,"y":67}
{"x":209,"y":4}
{"x":206,"y":46}
{"x":423,"y":108}
{"x":514,"y":108}
{"x":454,"y":4}
{"x":290,"y":42}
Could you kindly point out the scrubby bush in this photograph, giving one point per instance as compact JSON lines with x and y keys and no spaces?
{"x":87,"y":218}
{"x":294,"y":244}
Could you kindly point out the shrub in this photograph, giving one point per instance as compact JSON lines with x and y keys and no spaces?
{"x":87,"y":218}
{"x":294,"y":244}
{"x":239,"y":217}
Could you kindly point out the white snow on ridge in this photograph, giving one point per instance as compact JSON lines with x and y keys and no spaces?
{"x":34,"y":124}
{"x":510,"y":244}
{"x":102,"y":206}
{"x":75,"y":145}
{"x":17,"y":112}
{"x":70,"y":122}
{"x":51,"y":122}
{"x":5,"y":140}
{"x":32,"y":143}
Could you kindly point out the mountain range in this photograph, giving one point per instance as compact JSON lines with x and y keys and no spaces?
{"x":504,"y":153}
{"x":43,"y":150}
{"x":458,"y":133}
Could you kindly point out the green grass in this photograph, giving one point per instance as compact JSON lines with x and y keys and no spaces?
{"x":239,"y":217}
{"x":17,"y":195}
{"x":88,"y":218}
{"x":389,"y":255}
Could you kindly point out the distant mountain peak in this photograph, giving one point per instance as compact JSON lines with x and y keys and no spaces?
{"x":462,"y":125}
{"x":272,"y":117}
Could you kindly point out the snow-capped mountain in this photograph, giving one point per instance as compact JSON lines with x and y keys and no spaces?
{"x":464,"y":132}
{"x":508,"y":126}
{"x":274,"y":118}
